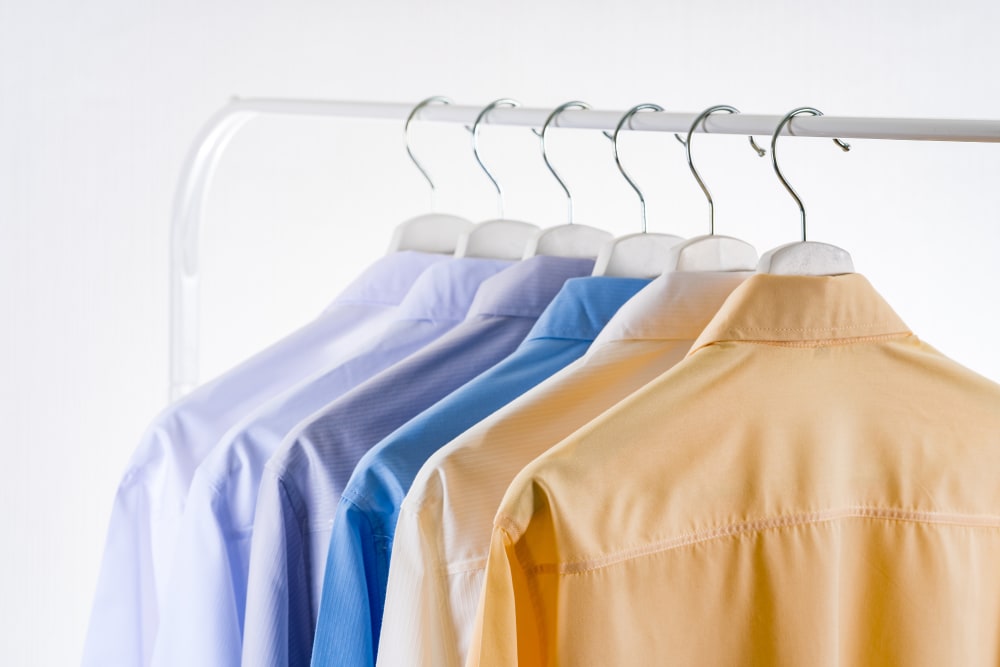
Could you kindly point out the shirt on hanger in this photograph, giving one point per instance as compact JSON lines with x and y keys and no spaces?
{"x":202,"y":613}
{"x":357,"y":564}
{"x":303,"y":481}
{"x":442,"y":535}
{"x":812,"y":485}
{"x":150,"y":499}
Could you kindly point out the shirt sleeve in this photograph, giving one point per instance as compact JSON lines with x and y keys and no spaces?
{"x":416,"y":623}
{"x":507,"y":629}
{"x":201,"y":618}
{"x":279,"y":627}
{"x":124,"y":616}
{"x":350,"y":610}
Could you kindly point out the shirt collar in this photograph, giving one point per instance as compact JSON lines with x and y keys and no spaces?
{"x":812,"y":310}
{"x":526,"y":288}
{"x":674,"y":306}
{"x":446,"y":290}
{"x":389,"y":278}
{"x":584,"y":306}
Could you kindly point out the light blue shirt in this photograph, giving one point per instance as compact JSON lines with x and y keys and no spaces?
{"x":303,"y":481}
{"x":202,"y":613}
{"x":357,"y":565}
{"x":149,"y":503}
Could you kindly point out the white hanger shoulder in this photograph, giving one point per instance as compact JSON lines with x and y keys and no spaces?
{"x":496,"y":239}
{"x":635,"y":255}
{"x":568,"y":241}
{"x":433,"y":232}
{"x":806,"y":258}
{"x":712,"y":253}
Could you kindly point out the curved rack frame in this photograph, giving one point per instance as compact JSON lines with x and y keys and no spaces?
{"x":211,"y":142}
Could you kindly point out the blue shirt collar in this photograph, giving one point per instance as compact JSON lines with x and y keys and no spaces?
{"x":583,"y":306}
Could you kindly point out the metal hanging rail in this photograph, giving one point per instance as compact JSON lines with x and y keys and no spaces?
{"x":213,"y":138}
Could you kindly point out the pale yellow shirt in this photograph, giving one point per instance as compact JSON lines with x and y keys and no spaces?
{"x":813,"y":485}
{"x":443,"y":532}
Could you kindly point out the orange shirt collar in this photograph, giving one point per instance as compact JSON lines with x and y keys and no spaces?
{"x":807,"y":310}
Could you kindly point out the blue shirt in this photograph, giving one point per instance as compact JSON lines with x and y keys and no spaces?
{"x":150,"y":499}
{"x":303,"y":481}
{"x":202,"y":613}
{"x":357,"y":566}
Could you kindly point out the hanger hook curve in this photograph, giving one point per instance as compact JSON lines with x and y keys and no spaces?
{"x":625,"y":119}
{"x":575,"y":104}
{"x":699,"y":120}
{"x":435,"y":99}
{"x":842,"y":145}
{"x":503,"y":101}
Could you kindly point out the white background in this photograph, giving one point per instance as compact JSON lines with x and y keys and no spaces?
{"x":99,"y":102}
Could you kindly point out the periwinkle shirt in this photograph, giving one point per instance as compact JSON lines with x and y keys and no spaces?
{"x":303,"y":481}
{"x":150,"y":499}
{"x":357,"y":565}
{"x":202,"y":613}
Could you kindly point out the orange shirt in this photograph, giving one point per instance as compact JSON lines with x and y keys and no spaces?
{"x":813,"y":485}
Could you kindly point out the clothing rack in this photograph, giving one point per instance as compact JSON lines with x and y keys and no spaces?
{"x":211,"y":142}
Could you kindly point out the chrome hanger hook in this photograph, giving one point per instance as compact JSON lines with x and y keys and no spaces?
{"x":753,"y":144}
{"x":475,"y":143}
{"x":436,"y":99}
{"x":699,"y":120}
{"x":614,"y":138}
{"x":576,"y":104}
{"x":843,"y":145}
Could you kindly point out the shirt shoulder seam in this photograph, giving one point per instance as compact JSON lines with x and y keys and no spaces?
{"x":781,"y":522}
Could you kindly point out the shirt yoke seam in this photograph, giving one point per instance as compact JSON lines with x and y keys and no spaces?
{"x":831,"y":327}
{"x":464,"y":566}
{"x":809,"y":343}
{"x":582,"y":566}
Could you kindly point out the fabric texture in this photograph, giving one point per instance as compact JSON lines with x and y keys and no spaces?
{"x":442,"y":535}
{"x":204,"y":604}
{"x":357,"y":564}
{"x":302,"y":483}
{"x":150,"y":499}
{"x":812,"y":485}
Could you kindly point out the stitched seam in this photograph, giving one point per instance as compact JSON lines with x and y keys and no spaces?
{"x":462,"y":567}
{"x":508,"y":524}
{"x":514,"y":533}
{"x":822,"y":342}
{"x":859,"y":325}
{"x":537,"y":604}
{"x":771,"y":523}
